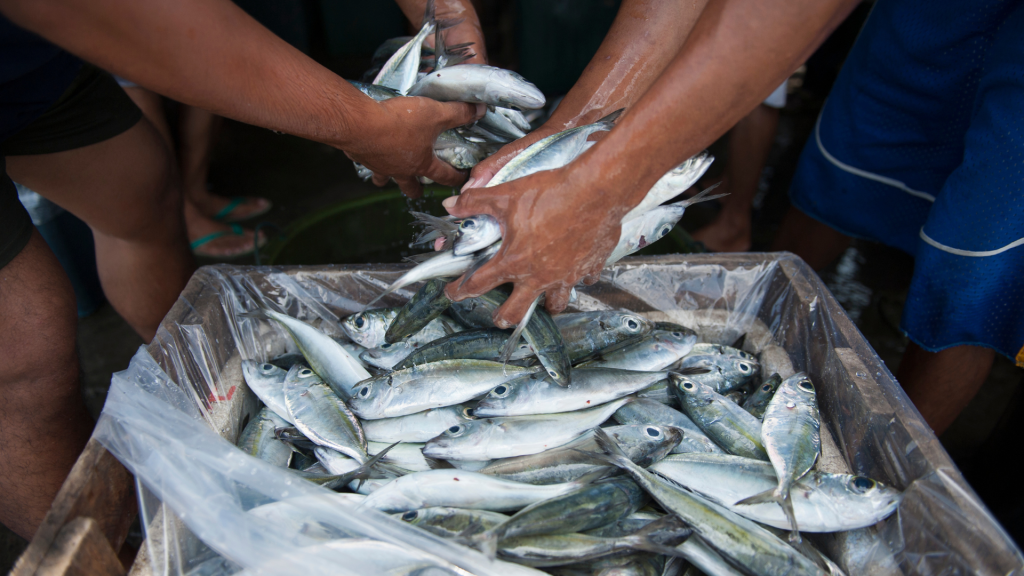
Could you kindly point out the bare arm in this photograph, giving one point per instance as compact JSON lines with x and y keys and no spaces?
{"x":211,"y":54}
{"x":644,"y":38}
{"x":468,"y":31}
{"x":559,"y":226}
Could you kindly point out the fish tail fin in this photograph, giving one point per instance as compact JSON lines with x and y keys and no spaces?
{"x":611,"y":118}
{"x":446,"y":23}
{"x":477,"y":263}
{"x":670,"y":524}
{"x":612,"y":455}
{"x":513,"y":340}
{"x":702,"y":196}
{"x":591,"y":477}
{"x":428,"y":14}
{"x":363,"y":471}
{"x":780,"y":497}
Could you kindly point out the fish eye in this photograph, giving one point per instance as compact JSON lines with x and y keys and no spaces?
{"x":359,"y":321}
{"x":364,"y":391}
{"x":744,"y":367}
{"x":454,"y":430}
{"x":553,"y":373}
{"x":807,"y":386}
{"x":677,"y":334}
{"x":468,"y":224}
{"x":386,"y":345}
{"x":664,"y":230}
{"x":410,"y":515}
{"x":468,"y":413}
{"x":305,"y":373}
{"x":267,"y":367}
{"x":766,"y":388}
{"x":632,"y":324}
{"x":653,"y":432}
{"x":861,"y":484}
{"x":500,"y":391}
{"x":688,"y":385}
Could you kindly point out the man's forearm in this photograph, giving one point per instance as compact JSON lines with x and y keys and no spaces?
{"x":207,"y":53}
{"x":737,"y":53}
{"x":644,"y":38}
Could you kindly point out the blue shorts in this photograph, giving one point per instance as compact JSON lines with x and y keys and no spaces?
{"x":921,"y":146}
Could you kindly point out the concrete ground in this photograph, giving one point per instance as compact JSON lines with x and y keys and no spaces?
{"x":870,"y":281}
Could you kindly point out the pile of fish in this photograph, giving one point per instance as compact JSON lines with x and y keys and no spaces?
{"x":606,"y":444}
{"x":405,"y":67}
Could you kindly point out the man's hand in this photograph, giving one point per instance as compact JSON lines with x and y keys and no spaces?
{"x":399,"y":142}
{"x":558,"y":227}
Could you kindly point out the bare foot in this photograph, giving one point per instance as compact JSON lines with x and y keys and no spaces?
{"x":224,"y":242}
{"x":726,"y":233}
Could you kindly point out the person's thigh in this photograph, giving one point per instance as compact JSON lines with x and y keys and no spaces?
{"x":123,"y":187}
{"x":968,"y":284}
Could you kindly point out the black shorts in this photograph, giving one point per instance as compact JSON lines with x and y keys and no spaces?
{"x":92,"y":109}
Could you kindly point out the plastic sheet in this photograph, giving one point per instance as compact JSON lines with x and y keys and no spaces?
{"x":172,"y":418}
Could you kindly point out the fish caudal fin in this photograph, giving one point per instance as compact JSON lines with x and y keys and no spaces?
{"x":611,"y":118}
{"x":700,"y":197}
{"x":513,"y":340}
{"x":362,"y":472}
{"x":780,"y":497}
{"x":671,"y":525}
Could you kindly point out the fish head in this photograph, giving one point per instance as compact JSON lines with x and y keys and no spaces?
{"x":798,"y":388}
{"x":415,"y":517}
{"x":690,"y":391}
{"x":370,"y":395}
{"x":882,"y":497}
{"x":510,"y":90}
{"x":387,"y":354}
{"x":451,"y":441}
{"x":739,"y":370}
{"x":254,"y":370}
{"x":677,"y":340}
{"x":515,"y":391}
{"x":633,"y":325}
{"x":853,"y":496}
{"x":659,"y":222}
{"x":476,"y":233}
{"x":301,"y":375}
{"x":646,"y":444}
{"x":770,"y":385}
{"x":366,"y":328}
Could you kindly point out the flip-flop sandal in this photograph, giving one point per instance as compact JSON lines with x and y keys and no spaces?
{"x":224,"y":214}
{"x":236,"y":230}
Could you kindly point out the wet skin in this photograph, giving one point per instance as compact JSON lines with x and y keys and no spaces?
{"x":559,"y":226}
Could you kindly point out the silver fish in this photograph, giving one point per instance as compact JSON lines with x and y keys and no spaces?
{"x":463,"y":489}
{"x":426,"y":386}
{"x":552,"y":152}
{"x":492,"y":438}
{"x":339,"y":464}
{"x":326,"y":357}
{"x":643,"y":444}
{"x":321,"y":415}
{"x":258,"y":439}
{"x":757,"y":402}
{"x":479,"y":83}
{"x":387,"y":355}
{"x":500,"y":124}
{"x":646,"y":411}
{"x":399,"y":72}
{"x":656,"y":351}
{"x":448,"y":522}
{"x":726,"y":372}
{"x":587,"y":333}
{"x":476,"y":233}
{"x":743,"y":542}
{"x":538,"y":394}
{"x":294,"y":515}
{"x":442,"y":265}
{"x":672,"y":184}
{"x":378,"y":93}
{"x":652,"y":226}
{"x":367,"y":328}
{"x":822,"y":502}
{"x":405,"y":455}
{"x":456,"y":150}
{"x":267,"y":382}
{"x":791,"y":433}
{"x":731,"y":427}
{"x":418,"y":427}
{"x":516,"y":117}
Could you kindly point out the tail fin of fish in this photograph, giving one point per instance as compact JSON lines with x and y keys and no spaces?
{"x":362,"y":472}
{"x":611,"y":118}
{"x":444,"y":55}
{"x":701,"y":197}
{"x":513,"y":340}
{"x":643,"y":540}
{"x":781,"y":497}
{"x":444,"y":226}
{"x":428,"y":14}
{"x":612,"y":454}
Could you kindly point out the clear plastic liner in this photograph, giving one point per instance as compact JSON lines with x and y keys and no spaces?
{"x":173,"y":416}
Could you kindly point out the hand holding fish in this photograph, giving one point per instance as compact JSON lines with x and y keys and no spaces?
{"x":399,"y":143}
{"x":558,"y":227}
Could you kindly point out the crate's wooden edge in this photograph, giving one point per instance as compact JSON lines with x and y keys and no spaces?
{"x":81,"y":549}
{"x":97,"y":486}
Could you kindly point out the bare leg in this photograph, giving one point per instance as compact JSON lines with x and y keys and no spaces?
{"x":197,"y":223}
{"x":750,"y":141}
{"x":809,"y":239}
{"x":198,"y":130}
{"x":942,"y":383}
{"x":43,"y":421}
{"x":126,"y":189}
